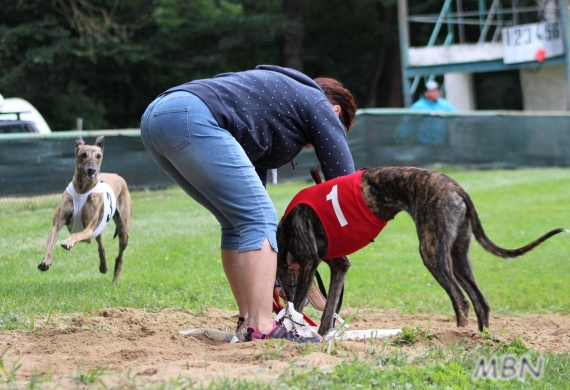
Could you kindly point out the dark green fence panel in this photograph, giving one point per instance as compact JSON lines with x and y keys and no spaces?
{"x":35,"y":164}
{"x":45,"y":165}
{"x":477,"y":140}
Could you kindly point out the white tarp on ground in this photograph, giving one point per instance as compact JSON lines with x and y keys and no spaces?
{"x":293,"y":320}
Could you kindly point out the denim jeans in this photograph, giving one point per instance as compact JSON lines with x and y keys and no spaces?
{"x":181,"y":134}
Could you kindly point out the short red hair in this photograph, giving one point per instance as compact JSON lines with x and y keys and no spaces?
{"x":340,"y":96}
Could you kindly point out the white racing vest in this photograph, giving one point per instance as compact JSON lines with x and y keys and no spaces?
{"x":109,"y":206}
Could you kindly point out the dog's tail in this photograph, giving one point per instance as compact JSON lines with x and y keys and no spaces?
{"x":493,"y":248}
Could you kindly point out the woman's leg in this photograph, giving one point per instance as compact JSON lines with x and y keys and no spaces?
{"x":229,"y":256}
{"x":252,"y":276}
{"x":232,"y":269}
{"x":258,"y":282}
{"x":209,"y":165}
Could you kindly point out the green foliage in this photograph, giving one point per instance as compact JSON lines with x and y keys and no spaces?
{"x":273,"y":350}
{"x":408,"y":336}
{"x":333,"y":339}
{"x":90,"y":377}
{"x":7,"y":372}
{"x":454,"y":372}
{"x":75,"y":103}
{"x":174,"y":14}
{"x":347,"y":40}
{"x":106,"y":62}
{"x":433,"y":368}
{"x":515,"y":347}
{"x":107,"y":66}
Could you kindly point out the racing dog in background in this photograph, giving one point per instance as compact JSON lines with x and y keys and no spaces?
{"x":88,"y":204}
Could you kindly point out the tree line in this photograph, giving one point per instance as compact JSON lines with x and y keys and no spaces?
{"x":105,"y":60}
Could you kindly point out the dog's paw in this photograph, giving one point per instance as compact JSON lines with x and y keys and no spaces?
{"x":103,"y":269}
{"x":66,"y":245}
{"x":43,"y":266}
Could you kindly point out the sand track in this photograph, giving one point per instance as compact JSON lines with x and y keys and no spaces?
{"x":147,"y":346}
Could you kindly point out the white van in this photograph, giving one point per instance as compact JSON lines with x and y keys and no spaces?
{"x":18,"y":115}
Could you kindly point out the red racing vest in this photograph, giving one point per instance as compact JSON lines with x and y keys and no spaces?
{"x":348,"y":222}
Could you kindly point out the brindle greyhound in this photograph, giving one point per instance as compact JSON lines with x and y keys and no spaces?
{"x":445,"y":219}
{"x":90,"y":220}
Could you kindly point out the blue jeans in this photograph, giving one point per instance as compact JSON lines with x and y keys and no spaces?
{"x":181,"y":134}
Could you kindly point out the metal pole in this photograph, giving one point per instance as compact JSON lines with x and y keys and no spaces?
{"x":440,"y":20}
{"x":404,"y":35}
{"x":488,"y":21}
{"x":482,"y":11}
{"x":563,"y":8}
{"x":460,"y":25}
{"x":515,"y":6}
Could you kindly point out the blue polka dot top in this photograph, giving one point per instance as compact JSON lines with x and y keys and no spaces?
{"x":273,"y":113}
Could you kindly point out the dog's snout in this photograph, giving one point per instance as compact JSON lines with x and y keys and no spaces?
{"x":91,"y":171}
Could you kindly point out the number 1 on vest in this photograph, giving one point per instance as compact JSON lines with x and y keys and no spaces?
{"x":333,"y":197}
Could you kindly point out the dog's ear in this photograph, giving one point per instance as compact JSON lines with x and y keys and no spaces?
{"x":100,"y":141}
{"x":79,"y":142}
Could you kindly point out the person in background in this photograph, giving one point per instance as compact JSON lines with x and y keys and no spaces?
{"x":217,"y":138}
{"x":432,"y":101}
{"x":426,"y":130}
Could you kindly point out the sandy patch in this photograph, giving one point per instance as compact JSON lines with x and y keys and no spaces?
{"x":147,"y":346}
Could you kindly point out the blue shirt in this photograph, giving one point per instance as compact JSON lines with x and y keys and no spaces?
{"x":440,"y":104}
{"x":426,"y":130}
{"x":273,"y":113}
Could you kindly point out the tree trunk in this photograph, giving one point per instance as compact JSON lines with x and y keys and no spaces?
{"x":385,"y":84}
{"x":292,"y":35}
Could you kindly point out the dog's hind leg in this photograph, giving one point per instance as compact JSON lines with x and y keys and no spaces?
{"x":464,"y":274}
{"x":102,"y":256}
{"x":122,"y":231}
{"x":444,"y":276}
{"x":339,"y":268}
{"x":437,"y":232}
{"x":122,"y":219}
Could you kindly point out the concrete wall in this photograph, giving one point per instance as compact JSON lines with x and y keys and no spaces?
{"x":544,"y":88}
{"x":459,"y":91}
{"x":455,"y":54}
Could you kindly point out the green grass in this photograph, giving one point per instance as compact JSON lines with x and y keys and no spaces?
{"x":173,"y":261}
{"x":390,"y":369}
